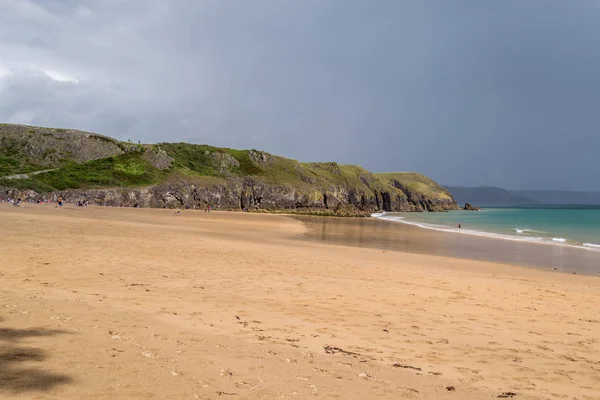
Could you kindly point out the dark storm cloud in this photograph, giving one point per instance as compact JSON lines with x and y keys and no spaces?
{"x":470,"y":92}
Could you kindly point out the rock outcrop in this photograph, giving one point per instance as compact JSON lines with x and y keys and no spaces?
{"x":423,"y":194}
{"x":470,"y":207}
{"x":50,"y":148}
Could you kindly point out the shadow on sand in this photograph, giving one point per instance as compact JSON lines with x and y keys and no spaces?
{"x":16,"y":377}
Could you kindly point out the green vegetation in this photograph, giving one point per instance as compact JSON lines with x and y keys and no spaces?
{"x":417,"y":183}
{"x":125,"y":170}
{"x":205,"y":160}
{"x":195,"y":158}
{"x":13,"y":161}
{"x":246,"y":165}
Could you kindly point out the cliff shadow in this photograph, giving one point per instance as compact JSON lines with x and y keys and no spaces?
{"x":20,"y":364}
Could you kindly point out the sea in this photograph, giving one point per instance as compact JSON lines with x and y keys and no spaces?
{"x":573,"y":226}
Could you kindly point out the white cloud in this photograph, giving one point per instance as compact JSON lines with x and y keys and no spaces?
{"x":59,"y":76}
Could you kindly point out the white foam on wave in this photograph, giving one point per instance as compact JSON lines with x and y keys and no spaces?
{"x":592,"y":245}
{"x":560,"y":240}
{"x":378,"y":215}
{"x":528,"y":231}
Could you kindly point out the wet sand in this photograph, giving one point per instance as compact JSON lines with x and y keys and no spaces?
{"x":107,"y":303}
{"x":389,"y":235}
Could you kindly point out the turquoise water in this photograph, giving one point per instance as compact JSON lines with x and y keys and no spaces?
{"x":575,"y":226}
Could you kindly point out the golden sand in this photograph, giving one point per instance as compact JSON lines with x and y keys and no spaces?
{"x":110,"y":303}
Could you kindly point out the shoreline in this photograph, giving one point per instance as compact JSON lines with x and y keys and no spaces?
{"x":412,"y":238}
{"x":489,"y":235}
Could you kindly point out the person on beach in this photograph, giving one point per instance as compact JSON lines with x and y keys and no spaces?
{"x":60,"y":201}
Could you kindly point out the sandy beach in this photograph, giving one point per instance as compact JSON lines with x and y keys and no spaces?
{"x":115,"y":303}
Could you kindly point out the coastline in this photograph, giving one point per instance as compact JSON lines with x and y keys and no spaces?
{"x":414,"y":238}
{"x":144,"y":302}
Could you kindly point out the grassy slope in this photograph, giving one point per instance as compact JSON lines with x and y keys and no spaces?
{"x":12,"y":164}
{"x":280,"y":170}
{"x":418,"y":183}
{"x":130,"y":169}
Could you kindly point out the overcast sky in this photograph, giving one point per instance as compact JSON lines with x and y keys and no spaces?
{"x":503,"y":93}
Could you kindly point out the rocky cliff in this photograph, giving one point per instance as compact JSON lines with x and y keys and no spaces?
{"x":84,"y":166}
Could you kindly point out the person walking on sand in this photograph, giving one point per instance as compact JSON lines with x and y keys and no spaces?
{"x":60,"y":201}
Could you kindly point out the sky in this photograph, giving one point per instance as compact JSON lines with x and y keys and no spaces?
{"x":470,"y":92}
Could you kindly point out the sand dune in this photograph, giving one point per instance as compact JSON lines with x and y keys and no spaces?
{"x":102,"y":303}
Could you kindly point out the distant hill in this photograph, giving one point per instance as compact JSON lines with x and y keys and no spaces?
{"x":560,"y":197}
{"x":37,"y":162}
{"x":493,"y":196}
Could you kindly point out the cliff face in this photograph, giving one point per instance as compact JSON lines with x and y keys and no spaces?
{"x":422,"y":192}
{"x":248,"y":194}
{"x":180,"y":175}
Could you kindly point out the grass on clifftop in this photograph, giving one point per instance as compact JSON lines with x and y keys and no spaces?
{"x":223,"y":162}
{"x":129,"y":169}
{"x":211,"y":161}
{"x":417,"y":183}
{"x":15,"y":165}
{"x":12,"y":161}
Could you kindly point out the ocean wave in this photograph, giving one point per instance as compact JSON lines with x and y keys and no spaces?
{"x":378,"y":215}
{"x":592,"y":245}
{"x":529,"y":230}
{"x":560,"y":240}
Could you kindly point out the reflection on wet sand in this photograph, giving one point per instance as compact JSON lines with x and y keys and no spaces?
{"x":387,"y":235}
